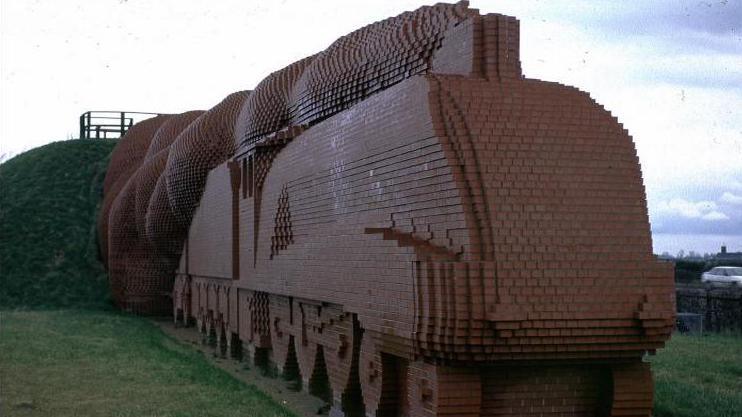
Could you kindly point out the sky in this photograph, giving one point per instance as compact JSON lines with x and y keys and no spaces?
{"x":669,"y":70}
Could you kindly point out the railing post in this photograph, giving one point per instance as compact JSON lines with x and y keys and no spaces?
{"x":105,"y":123}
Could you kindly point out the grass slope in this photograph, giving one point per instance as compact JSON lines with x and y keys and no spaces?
{"x":699,"y":377}
{"x":48,"y":202}
{"x":98,"y":363}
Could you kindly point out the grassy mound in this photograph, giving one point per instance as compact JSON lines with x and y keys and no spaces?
{"x":49,"y":198}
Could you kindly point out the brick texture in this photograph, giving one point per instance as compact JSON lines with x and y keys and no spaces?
{"x":408,"y":220}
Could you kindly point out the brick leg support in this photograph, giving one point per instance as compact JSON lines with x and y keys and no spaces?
{"x":633,"y":390}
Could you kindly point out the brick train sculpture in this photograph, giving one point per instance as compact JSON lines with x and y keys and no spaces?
{"x":407,"y":218}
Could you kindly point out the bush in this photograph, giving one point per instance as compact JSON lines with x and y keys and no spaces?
{"x":689,"y":271}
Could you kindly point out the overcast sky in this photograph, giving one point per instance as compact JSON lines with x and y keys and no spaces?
{"x":670,"y":70}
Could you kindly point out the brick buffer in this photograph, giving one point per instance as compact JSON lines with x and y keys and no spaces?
{"x":406,"y":217}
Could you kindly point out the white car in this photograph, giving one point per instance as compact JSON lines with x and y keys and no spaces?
{"x":723,"y":274}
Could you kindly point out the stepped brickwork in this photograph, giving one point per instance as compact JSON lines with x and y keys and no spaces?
{"x":406,"y":224}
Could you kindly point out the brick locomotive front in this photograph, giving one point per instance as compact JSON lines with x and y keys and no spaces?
{"x":407,"y":217}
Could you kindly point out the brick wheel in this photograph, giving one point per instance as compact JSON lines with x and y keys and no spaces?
{"x":379,"y":379}
{"x":280,"y":329}
{"x":339,"y":344}
{"x":306,"y":356}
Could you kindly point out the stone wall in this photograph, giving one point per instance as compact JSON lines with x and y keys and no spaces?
{"x":721,"y":307}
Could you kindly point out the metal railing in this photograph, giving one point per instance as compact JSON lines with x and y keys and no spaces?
{"x":109,"y":124}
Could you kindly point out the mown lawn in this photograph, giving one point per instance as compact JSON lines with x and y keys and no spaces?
{"x":699,"y":376}
{"x":102,"y":363}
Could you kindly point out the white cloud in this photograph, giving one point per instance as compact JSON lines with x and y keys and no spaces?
{"x":730,"y":198}
{"x":705,"y":210}
{"x":715,"y":215}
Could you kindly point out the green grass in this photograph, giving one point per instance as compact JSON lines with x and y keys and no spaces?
{"x":48,"y":205}
{"x":98,"y":363}
{"x":699,"y":377}
{"x":102,"y":363}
